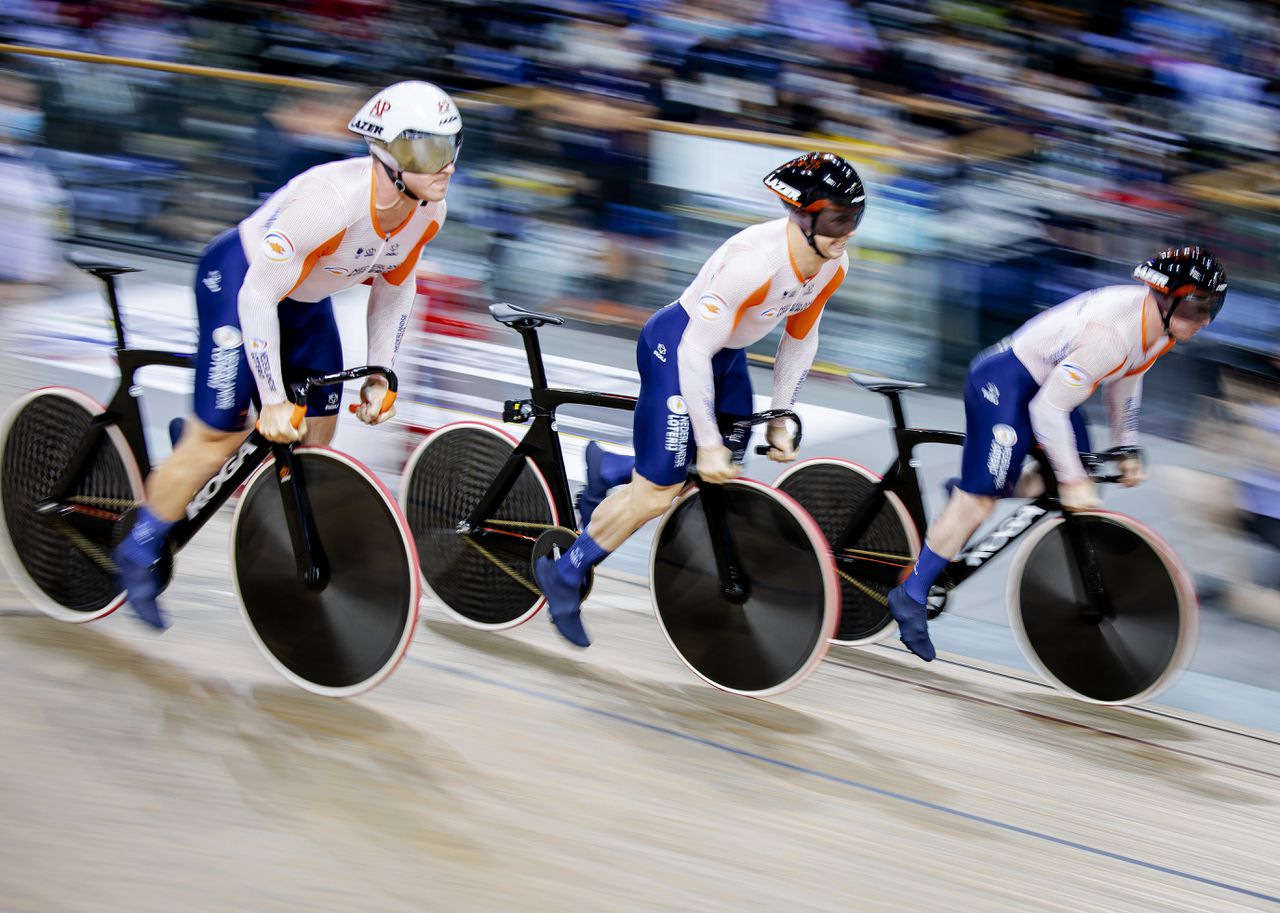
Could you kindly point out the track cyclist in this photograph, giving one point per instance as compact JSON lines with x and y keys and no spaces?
{"x":693,"y":366}
{"x":1030,"y":387}
{"x":264,"y":309}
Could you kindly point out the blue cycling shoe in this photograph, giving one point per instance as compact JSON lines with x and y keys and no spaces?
{"x":564,"y":602}
{"x":913,"y":623}
{"x":596,"y":489}
{"x":139,"y":573}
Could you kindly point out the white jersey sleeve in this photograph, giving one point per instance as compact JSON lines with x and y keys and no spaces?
{"x":799,"y":345}
{"x":391,"y":301}
{"x":740,"y":283}
{"x":309,"y":224}
{"x":1123,"y":398}
{"x":1097,"y":352}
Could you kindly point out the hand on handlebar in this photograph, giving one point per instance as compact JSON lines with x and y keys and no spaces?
{"x":275,"y":422}
{"x":715,"y":464}
{"x":782,"y":448}
{"x":372,"y":394}
{"x":1080,"y":495}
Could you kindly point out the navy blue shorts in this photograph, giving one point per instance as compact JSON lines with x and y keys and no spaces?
{"x":309,"y":342}
{"x":998,"y":435}
{"x":662,"y":435}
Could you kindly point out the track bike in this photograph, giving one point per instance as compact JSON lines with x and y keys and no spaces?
{"x":324,"y":567}
{"x":742,"y":581}
{"x":1100,"y":605}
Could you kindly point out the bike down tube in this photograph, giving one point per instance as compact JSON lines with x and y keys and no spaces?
{"x":213,"y":494}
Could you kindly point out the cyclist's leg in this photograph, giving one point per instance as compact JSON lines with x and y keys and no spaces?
{"x":663,"y":450}
{"x":998,"y":436}
{"x":310,"y":345}
{"x":223,"y":386}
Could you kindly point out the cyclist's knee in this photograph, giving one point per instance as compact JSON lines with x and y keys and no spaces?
{"x":320,"y":430}
{"x":649,"y":500}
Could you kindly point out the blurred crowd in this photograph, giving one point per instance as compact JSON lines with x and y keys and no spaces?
{"x":1015,"y":152}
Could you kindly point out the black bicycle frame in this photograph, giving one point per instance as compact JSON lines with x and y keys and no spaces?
{"x":312,"y":563}
{"x":902,"y":479}
{"x":541,"y":443}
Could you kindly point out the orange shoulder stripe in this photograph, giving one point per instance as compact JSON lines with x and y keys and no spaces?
{"x":309,"y":264}
{"x":405,"y":269}
{"x":799,"y":325}
{"x":751,"y":301}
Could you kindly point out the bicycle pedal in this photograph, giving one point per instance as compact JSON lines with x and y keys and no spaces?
{"x":553,"y":543}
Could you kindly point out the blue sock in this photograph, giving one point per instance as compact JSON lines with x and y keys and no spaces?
{"x":147,"y":537}
{"x":928,"y":566}
{"x":583,"y":555}
{"x":615,"y":468}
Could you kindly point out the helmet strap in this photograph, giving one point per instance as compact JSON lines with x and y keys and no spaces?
{"x":1167,"y":315}
{"x":812,"y":233}
{"x":397,"y":178}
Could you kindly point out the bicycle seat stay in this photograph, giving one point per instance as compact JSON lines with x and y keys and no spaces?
{"x":520,"y":319}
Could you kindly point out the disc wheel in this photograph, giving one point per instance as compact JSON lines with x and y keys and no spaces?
{"x":483,"y":578}
{"x":778,"y":635}
{"x":63,"y":564}
{"x":831,"y":490}
{"x":1139,"y":647}
{"x":347,"y":637}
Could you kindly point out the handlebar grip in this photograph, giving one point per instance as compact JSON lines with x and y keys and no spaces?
{"x":299,"y":413}
{"x":387,"y":402}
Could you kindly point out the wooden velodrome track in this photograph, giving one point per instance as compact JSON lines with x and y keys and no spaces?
{"x":504,"y":772}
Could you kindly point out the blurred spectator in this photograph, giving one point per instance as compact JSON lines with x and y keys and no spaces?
{"x":32,"y":205}
{"x":303,"y":129}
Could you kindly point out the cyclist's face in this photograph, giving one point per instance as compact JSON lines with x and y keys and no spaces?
{"x":1193,"y":314}
{"x":430,"y":187}
{"x":833,"y":227}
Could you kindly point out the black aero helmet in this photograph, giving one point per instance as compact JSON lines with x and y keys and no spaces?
{"x":1190,"y":278}
{"x":824,"y":186}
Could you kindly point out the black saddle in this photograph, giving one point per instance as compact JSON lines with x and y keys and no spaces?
{"x":885,"y":385}
{"x":96,"y":267}
{"x":520,"y":319}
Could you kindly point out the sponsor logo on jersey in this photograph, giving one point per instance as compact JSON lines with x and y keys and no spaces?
{"x":277,"y":247}
{"x":677,"y":405}
{"x":677,"y":438}
{"x":660,"y":352}
{"x":1004,"y":435}
{"x":770,"y":313}
{"x":333,"y":400}
{"x":991,"y":393}
{"x":213,"y":281}
{"x":712,"y":307}
{"x":1074,"y":375}
{"x":224,"y":365}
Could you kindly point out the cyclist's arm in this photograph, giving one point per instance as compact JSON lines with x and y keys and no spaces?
{"x":799,"y":345}
{"x":710,"y":326}
{"x":310,"y":225}
{"x":1099,"y":353}
{"x":1123,"y":397}
{"x":391,"y":301}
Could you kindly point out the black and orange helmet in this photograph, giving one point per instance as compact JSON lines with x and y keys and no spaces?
{"x":1190,"y":278}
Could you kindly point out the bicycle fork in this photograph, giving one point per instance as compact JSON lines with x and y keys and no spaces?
{"x":733,"y":583}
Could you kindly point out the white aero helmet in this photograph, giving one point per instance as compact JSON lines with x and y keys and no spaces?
{"x":410,"y":126}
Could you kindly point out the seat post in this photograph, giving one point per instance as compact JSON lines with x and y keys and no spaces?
{"x":114,"y":303}
{"x":533,"y":350}
{"x":899,"y":414}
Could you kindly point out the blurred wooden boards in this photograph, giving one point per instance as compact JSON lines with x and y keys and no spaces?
{"x":504,"y":772}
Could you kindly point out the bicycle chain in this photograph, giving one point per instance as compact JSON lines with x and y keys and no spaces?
{"x":94,"y":501}
{"x":863,"y":588}
{"x":502,"y":565}
{"x":91,"y":550}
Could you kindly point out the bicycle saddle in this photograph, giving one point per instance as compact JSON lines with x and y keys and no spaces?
{"x":881,"y":384}
{"x":519,"y":318}
{"x":96,"y":267}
